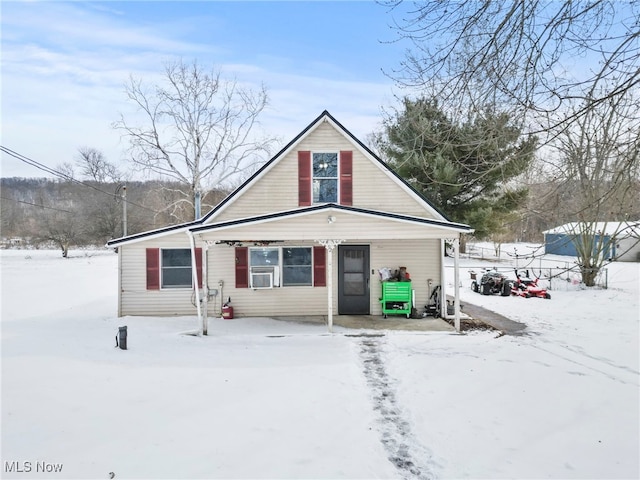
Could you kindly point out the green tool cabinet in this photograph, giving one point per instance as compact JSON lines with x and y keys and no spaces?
{"x":396,"y":298}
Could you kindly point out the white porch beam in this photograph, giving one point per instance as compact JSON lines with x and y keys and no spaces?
{"x":205,"y":288}
{"x":330,"y":245}
{"x":194,"y":276}
{"x":455,"y":244}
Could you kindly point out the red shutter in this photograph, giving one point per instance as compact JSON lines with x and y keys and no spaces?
{"x":304,"y":179}
{"x":153,"y":269}
{"x":346,"y":178}
{"x":242,"y":267}
{"x":319,"y":267}
{"x":199,"y":266}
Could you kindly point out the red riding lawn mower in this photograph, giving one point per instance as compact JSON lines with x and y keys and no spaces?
{"x":525,"y":286}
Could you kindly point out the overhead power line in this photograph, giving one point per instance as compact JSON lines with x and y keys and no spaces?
{"x":57,"y":173}
{"x":36,"y":205}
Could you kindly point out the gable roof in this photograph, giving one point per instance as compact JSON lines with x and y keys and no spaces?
{"x":158,"y":232}
{"x":324,"y":116}
{"x":332,"y":207}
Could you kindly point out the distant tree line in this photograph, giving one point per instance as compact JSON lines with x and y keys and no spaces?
{"x":70,"y":213}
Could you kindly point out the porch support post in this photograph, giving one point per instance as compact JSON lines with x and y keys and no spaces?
{"x":194,"y":275}
{"x":329,"y":245}
{"x":329,"y":288}
{"x":455,"y":245}
{"x":205,"y":287}
{"x":456,"y":279}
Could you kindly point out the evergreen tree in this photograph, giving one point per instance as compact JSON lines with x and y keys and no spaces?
{"x":467,"y":169}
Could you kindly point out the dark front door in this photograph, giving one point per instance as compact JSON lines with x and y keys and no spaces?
{"x":353,"y":279}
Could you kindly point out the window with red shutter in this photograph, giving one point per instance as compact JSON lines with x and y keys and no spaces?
{"x":346,"y":178}
{"x":242,"y":267}
{"x":319,"y":267}
{"x":304,"y":179}
{"x":172,"y":276}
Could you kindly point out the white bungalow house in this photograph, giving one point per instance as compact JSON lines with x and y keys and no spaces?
{"x":307,"y":234}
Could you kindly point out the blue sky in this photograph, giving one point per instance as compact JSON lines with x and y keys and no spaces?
{"x":64,"y":65}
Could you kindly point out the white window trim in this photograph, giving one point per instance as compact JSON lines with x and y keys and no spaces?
{"x":276,"y":269}
{"x":162,"y":267}
{"x":337,"y":177}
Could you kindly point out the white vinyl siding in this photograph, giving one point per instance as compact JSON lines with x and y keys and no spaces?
{"x":277,"y":189}
{"x":421,"y":257}
{"x":135,"y":298}
{"x":344,"y":225}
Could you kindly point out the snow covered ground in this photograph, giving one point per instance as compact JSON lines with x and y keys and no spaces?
{"x":260,"y":398}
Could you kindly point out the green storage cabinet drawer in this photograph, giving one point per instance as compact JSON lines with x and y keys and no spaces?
{"x":396,"y":298}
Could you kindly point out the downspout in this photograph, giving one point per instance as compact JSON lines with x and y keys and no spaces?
{"x":205,"y":288}
{"x":120,"y":281}
{"x":443,"y":299}
{"x":194,"y":275}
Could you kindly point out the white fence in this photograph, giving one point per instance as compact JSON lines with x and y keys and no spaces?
{"x":554,"y":278}
{"x":555,"y":273}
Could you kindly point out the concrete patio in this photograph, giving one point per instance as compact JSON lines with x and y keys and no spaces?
{"x":375,"y":322}
{"x":474,"y":316}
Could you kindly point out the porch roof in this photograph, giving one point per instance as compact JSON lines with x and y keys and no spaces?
{"x":331,"y":221}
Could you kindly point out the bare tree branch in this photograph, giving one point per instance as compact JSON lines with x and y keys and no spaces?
{"x":536,"y":57}
{"x":201,"y":130}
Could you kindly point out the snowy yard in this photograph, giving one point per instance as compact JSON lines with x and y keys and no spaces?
{"x":260,"y":398}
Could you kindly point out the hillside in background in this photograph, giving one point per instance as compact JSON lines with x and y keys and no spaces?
{"x":42,"y":211}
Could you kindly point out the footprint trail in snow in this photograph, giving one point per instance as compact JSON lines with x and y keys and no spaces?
{"x":412,"y":460}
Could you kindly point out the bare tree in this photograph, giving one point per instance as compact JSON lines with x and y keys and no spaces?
{"x":568,"y":69}
{"x":59,"y":219}
{"x":94,"y":166}
{"x":66,"y":170}
{"x":533,"y":56}
{"x":597,"y":172}
{"x":201,"y":130}
{"x":62,"y":229}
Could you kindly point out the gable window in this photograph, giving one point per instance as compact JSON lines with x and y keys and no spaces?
{"x":176,"y":268}
{"x":325,"y":178}
{"x":297,"y":266}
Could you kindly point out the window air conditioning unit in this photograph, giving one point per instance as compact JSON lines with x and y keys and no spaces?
{"x":264,"y":277}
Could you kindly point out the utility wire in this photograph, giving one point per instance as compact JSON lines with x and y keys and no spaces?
{"x":57,"y":173}
{"x":36,"y":205}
